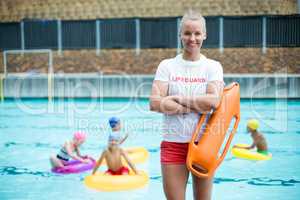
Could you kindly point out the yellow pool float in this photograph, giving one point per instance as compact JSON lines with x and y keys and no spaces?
{"x":248,"y":154}
{"x":136,"y":154}
{"x":104,"y":182}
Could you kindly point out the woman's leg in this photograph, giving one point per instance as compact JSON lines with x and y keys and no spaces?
{"x":202,"y":188}
{"x":175,"y":177}
{"x":55,"y":162}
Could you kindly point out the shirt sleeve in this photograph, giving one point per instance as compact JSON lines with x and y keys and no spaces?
{"x":216,"y":73}
{"x":162,"y":73}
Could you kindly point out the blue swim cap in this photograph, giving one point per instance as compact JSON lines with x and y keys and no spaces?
{"x":113,"y":121}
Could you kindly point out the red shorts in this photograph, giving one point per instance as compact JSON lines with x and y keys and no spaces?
{"x":121,"y":171}
{"x":173,"y":152}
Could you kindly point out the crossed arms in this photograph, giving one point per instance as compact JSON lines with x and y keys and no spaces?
{"x":161,"y":102}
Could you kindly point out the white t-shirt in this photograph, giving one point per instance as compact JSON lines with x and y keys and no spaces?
{"x":186,"y":78}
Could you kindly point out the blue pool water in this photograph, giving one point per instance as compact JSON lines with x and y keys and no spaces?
{"x":32,"y":130}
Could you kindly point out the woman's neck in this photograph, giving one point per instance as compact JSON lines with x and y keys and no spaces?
{"x":191,"y":56}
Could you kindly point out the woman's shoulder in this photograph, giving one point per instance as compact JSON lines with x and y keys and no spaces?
{"x":213,"y":65}
{"x":168,"y":62}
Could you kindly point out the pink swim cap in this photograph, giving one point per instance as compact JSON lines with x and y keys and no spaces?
{"x":80,"y":136}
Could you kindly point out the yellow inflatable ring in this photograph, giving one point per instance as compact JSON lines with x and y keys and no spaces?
{"x":136,"y":154}
{"x":249,"y":155}
{"x":104,"y":182}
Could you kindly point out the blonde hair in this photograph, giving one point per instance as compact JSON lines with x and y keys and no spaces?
{"x":193,"y":15}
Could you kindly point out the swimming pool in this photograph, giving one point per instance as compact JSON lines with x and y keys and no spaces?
{"x":32,"y":130}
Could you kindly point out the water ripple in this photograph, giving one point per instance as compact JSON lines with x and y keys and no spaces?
{"x":48,"y":145}
{"x":8,"y":144}
{"x":38,"y":144}
{"x":52,"y":127}
{"x":153,"y":150}
{"x":11,"y":170}
{"x":264,"y":181}
{"x":157,"y":177}
{"x":260,"y":181}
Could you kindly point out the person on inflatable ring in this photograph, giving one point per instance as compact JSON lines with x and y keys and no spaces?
{"x":115,"y":124}
{"x":113,"y":156}
{"x":70,"y":150}
{"x":259,"y":140}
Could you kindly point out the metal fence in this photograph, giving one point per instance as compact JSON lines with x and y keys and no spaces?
{"x":78,"y":34}
{"x":245,"y":33}
{"x":222,"y":32}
